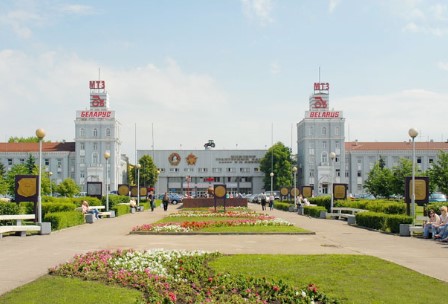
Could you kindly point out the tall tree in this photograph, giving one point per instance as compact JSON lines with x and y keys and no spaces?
{"x":148,"y":171}
{"x":379,"y":182}
{"x":68,"y":187}
{"x":399,"y":173}
{"x":438,"y":174}
{"x":31,"y":164}
{"x":278,"y":161}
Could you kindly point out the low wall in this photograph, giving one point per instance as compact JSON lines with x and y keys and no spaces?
{"x":210,"y":202}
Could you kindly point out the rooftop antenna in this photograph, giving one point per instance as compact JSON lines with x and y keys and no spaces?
{"x":319,"y":74}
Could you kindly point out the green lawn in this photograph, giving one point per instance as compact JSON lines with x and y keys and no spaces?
{"x":350,"y":278}
{"x":59,"y":290}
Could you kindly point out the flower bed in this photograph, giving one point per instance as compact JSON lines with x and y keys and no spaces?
{"x":231,"y":218}
{"x":176,"y":276}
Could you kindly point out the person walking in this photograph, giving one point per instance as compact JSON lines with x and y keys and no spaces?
{"x":151,"y":200}
{"x":165,"y":201}
{"x":263,"y":201}
{"x":271,"y":201}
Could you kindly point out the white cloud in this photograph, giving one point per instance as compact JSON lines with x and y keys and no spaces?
{"x":259,"y":10}
{"x":332,"y":5}
{"x":389,"y":117}
{"x":21,"y":21}
{"x":275,"y":68}
{"x":77,"y":9}
{"x":443,"y":65}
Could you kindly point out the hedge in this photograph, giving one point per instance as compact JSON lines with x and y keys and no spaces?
{"x":114,"y":200}
{"x":382,"y":221}
{"x":60,"y":220}
{"x":50,"y":207}
{"x":323,"y":201}
{"x":381,"y":206}
{"x":282,"y":206}
{"x":121,"y":209}
{"x":313,"y":211}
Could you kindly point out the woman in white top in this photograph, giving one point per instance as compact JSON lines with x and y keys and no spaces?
{"x":433,"y":219}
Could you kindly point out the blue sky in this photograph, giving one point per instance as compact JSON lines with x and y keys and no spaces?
{"x":236,"y":71}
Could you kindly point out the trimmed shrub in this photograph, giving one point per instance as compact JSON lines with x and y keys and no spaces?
{"x":50,"y":207}
{"x":9,"y":208}
{"x":313,"y":211}
{"x":60,"y":220}
{"x":114,"y":200}
{"x":281,"y":206}
{"x":382,"y":206}
{"x":382,"y":221}
{"x":323,"y":201}
{"x":121,"y":209}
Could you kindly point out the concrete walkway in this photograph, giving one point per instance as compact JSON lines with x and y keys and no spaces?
{"x":23,"y":260}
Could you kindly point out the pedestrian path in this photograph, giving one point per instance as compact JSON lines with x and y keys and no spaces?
{"x":25,"y":259}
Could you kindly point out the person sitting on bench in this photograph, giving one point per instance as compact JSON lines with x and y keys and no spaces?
{"x":85,"y":209}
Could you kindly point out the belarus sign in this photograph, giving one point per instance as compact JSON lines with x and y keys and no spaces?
{"x":323,"y":114}
{"x":95,"y":114}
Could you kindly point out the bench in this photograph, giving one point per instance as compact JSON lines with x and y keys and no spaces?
{"x":19,"y":227}
{"x":346,"y":213}
{"x":418,"y":227}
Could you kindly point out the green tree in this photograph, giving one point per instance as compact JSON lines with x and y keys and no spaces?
{"x":2,"y":170}
{"x":31,"y":164}
{"x":399,"y":173}
{"x":278,"y":161}
{"x":438,"y":174}
{"x":68,"y":188}
{"x":18,"y":169}
{"x":379,"y":182}
{"x":148,"y":171}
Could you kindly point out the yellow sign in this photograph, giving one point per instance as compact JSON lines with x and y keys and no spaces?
{"x":220,"y":191}
{"x":123,"y":190}
{"x":295,"y":192}
{"x":307,"y":191}
{"x":27,"y":186}
{"x":339,"y":191}
{"x":420,"y":189}
{"x":284,"y":191}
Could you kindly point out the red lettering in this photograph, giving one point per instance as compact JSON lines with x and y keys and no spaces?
{"x":97,"y":84}
{"x":91,"y":84}
{"x":316,"y":86}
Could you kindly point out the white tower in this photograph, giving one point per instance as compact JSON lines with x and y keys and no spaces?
{"x":98,"y":131}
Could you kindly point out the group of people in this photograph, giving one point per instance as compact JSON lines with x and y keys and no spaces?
{"x":437,"y":225}
{"x":266,"y":200}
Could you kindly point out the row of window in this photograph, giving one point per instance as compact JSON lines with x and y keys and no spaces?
{"x":323,"y":131}
{"x":82,"y":132}
{"x":214,"y":170}
{"x":82,"y":146}
{"x":46,"y":162}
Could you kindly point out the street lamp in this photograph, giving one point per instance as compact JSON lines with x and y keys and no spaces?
{"x":332,"y":157}
{"x":40,"y":133}
{"x":51,"y":187}
{"x":272,"y":179}
{"x":413,"y":134}
{"x":294,"y":171}
{"x":188,"y":180}
{"x":138,"y":183}
{"x":157,"y":188}
{"x":107,"y":156}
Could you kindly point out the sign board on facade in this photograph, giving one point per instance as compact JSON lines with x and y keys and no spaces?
{"x":95,"y":114}
{"x":323,"y":114}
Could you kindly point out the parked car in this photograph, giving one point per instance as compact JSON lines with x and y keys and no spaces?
{"x":437,"y":197}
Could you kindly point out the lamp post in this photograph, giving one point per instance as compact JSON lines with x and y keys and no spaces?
{"x":107,"y":156}
{"x":51,"y":187}
{"x":157,"y":188}
{"x":272,"y":179}
{"x":40,"y":133}
{"x":413,"y":134}
{"x":332,"y":157}
{"x":294,"y":171}
{"x":138,"y":184}
{"x":188,"y":180}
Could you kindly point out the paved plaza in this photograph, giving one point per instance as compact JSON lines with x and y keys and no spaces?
{"x":24,"y":259}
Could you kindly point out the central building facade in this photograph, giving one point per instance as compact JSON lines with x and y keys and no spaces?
{"x":320,"y":134}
